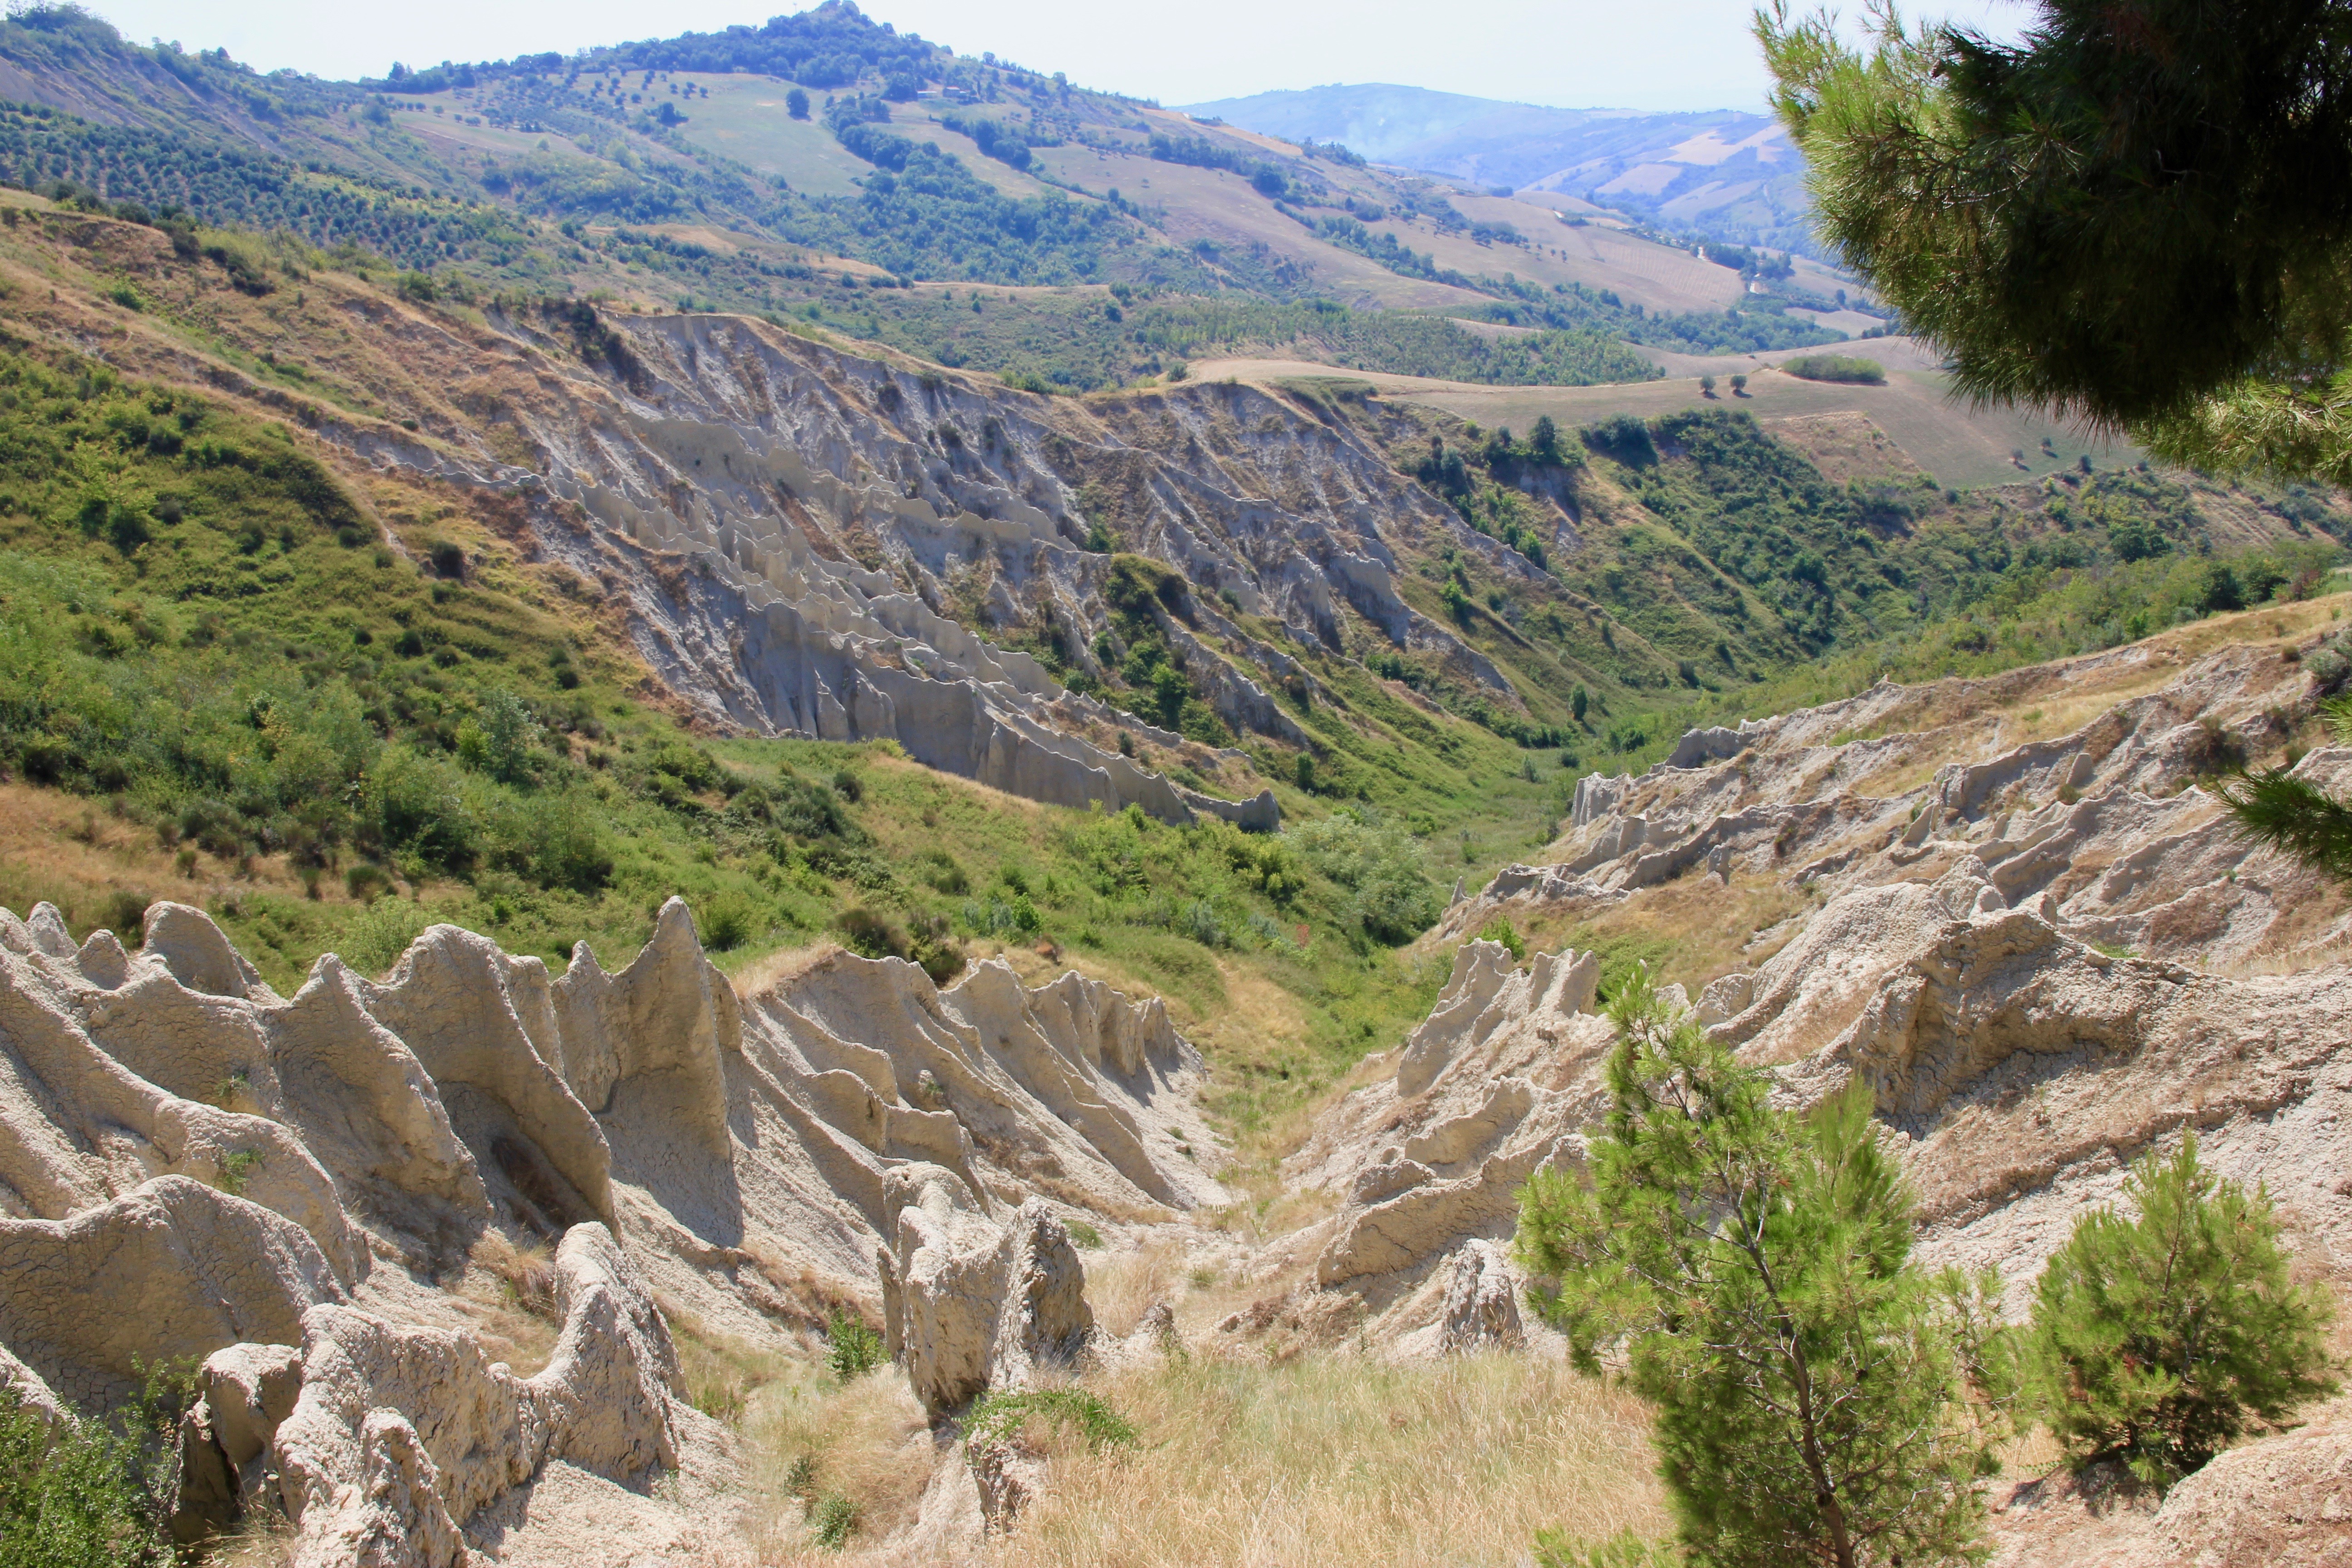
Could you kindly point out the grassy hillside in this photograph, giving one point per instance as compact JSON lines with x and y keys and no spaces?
{"x":1689,"y":565}
{"x":676,"y":171}
{"x":333,"y":704}
{"x":226,"y":686}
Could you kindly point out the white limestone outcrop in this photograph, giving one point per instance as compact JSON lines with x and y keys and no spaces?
{"x":193,"y":1166}
{"x":1958,"y":953}
{"x":970,"y":1303}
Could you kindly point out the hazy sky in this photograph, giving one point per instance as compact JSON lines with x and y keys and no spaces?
{"x":1661,"y":54}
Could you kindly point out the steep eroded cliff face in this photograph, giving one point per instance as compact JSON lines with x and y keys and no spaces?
{"x":292,"y":1190}
{"x":2043,"y":954}
{"x":812,"y":543}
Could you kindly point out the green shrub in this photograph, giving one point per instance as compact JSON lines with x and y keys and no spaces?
{"x":870,"y":935}
{"x":726,"y":923}
{"x":2157,"y":1341}
{"x":375,"y":939}
{"x":1086,"y":1236}
{"x":833,"y":1519}
{"x":236,"y":1168}
{"x":997,"y":1416}
{"x":1503,"y":931}
{"x":94,"y":1495}
{"x":852,"y":1347}
{"x":419,"y":805}
{"x":1135,"y":582}
{"x":1624,"y":437}
{"x":554,"y":837}
{"x":1844,"y":368}
{"x":126,"y":916}
{"x":1392,"y":900}
{"x":939,"y":868}
{"x":939,"y":954}
{"x":1755,"y":1269}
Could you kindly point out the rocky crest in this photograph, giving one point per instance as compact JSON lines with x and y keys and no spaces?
{"x":1967,"y":958}
{"x":193,"y":1166}
{"x":790,"y":525}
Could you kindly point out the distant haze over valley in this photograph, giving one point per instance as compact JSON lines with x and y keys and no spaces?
{"x":1722,"y":170}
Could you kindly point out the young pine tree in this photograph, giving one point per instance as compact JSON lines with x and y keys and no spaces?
{"x":2157,"y":1341}
{"x":1756,"y":1266}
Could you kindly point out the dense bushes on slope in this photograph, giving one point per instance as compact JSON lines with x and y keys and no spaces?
{"x":1758,"y":325}
{"x":1842,"y":565}
{"x":1082,"y":342}
{"x":96,"y":1495}
{"x":1744,"y":582}
{"x":199,"y":621}
{"x":923,"y":214}
{"x":273,"y":708}
{"x":1388,"y":342}
{"x":1836,"y":367}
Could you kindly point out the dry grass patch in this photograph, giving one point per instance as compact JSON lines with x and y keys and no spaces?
{"x":508,"y":1294}
{"x":256,"y":1544}
{"x":722,"y":1373}
{"x":1121,"y":1289}
{"x":1343,"y":1459}
{"x":853,"y":1455}
{"x":101,"y":870}
{"x":1270,"y":1209}
{"x":756,"y":976}
{"x":1698,"y":928}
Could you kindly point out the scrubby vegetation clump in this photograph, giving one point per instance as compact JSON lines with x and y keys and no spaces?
{"x":2156,"y":1340}
{"x":95,"y":1490}
{"x":1756,"y":1265}
{"x":1850,"y":369}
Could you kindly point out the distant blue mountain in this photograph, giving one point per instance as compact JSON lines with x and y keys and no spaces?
{"x":1723,"y":171}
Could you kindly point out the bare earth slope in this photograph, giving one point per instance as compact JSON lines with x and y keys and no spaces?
{"x":798,"y":537}
{"x":285,"y":1188}
{"x":2044,"y":952}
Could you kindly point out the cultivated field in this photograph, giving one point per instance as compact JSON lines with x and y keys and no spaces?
{"x":1963,"y":447}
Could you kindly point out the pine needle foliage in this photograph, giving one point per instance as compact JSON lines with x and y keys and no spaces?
{"x":1755,"y":1268}
{"x":2139,"y":214}
{"x":2156,"y":1341}
{"x":2293,"y":815}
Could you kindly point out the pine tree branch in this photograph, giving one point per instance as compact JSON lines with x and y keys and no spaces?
{"x":2294,"y":815}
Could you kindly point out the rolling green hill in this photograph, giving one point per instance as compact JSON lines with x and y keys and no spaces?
{"x":677,"y":170}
